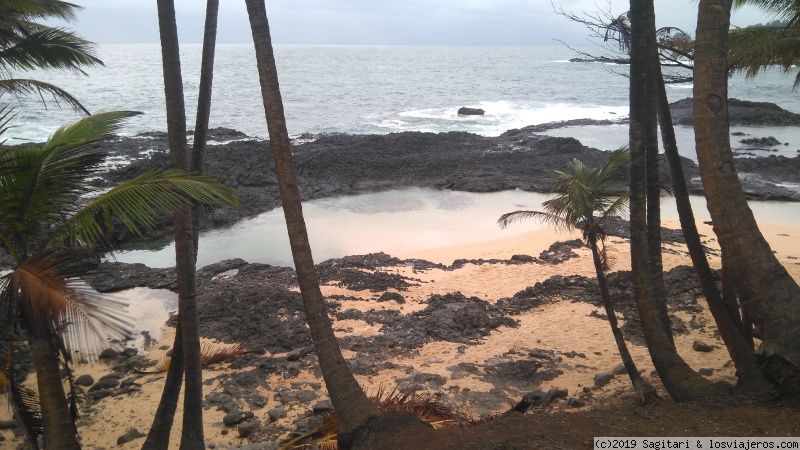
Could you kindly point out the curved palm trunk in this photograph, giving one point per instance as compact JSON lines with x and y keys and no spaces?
{"x":681,"y":381}
{"x":192,"y":436}
{"x":766,"y":291}
{"x":204,"y":105}
{"x":645,"y":391}
{"x":727,"y":319}
{"x":158,"y":437}
{"x":351,"y":404}
{"x":59,"y":430}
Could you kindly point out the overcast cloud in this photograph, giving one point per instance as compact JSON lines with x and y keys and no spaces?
{"x":443,"y":22}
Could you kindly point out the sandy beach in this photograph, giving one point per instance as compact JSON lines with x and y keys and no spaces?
{"x":579,"y":342}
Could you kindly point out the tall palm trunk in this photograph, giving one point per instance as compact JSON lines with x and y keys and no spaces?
{"x":192,"y":436}
{"x":204,"y":104}
{"x":770,"y":296}
{"x":158,"y":437}
{"x":351,"y":404}
{"x":59,"y":430}
{"x":727,"y":319}
{"x":645,"y":391}
{"x":681,"y":381}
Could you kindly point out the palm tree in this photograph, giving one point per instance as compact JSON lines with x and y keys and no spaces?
{"x":27,"y":45}
{"x":192,"y":434}
{"x":767,"y":293}
{"x":158,"y":437}
{"x":351,"y":403}
{"x":582,"y":193}
{"x":46,"y":219}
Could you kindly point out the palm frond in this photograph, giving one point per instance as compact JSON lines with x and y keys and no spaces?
{"x":6,"y":114}
{"x":39,"y":9}
{"x":89,"y":129}
{"x":213,"y":353}
{"x":752,"y":50}
{"x":784,"y":10}
{"x":619,"y":208}
{"x":83,"y":319}
{"x":48,"y":48}
{"x":25,"y":404}
{"x":138,"y":204}
{"x":426,"y":405}
{"x":18,"y":86}
{"x":517,"y":216}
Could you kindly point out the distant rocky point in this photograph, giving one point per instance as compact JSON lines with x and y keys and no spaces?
{"x":740,"y":112}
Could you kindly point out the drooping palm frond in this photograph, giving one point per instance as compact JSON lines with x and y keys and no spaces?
{"x":82,"y":319}
{"x":783,"y":10}
{"x":25,"y":404}
{"x":557,"y":221}
{"x":6,"y":114}
{"x":138,"y":204}
{"x":39,"y":9}
{"x":19,"y":86}
{"x":752,"y":50}
{"x":49,"y":49}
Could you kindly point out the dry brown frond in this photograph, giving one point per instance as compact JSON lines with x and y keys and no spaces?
{"x":213,"y":353}
{"x":425,"y":405}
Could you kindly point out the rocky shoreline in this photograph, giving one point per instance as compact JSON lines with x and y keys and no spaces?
{"x":330,"y":165}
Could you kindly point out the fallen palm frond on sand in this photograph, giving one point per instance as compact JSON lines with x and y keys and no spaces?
{"x":426,"y":405}
{"x":212,"y":353}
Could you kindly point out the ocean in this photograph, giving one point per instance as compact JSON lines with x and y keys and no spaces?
{"x":380,"y":89}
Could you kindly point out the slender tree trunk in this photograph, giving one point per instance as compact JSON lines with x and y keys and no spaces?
{"x":158,"y":437}
{"x":192,"y":436}
{"x":645,"y":391}
{"x":351,"y":404}
{"x":767,"y":292}
{"x":741,"y":352}
{"x":681,"y":381}
{"x":59,"y":431}
{"x":204,"y":106}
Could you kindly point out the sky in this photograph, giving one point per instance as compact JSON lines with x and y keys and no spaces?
{"x":381,"y":22}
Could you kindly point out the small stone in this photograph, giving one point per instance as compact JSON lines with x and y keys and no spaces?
{"x":235,"y":417}
{"x":705,"y":371}
{"x":298,"y":353}
{"x":246,"y":429}
{"x":132,"y":434}
{"x":84,"y":380}
{"x":603,"y":378}
{"x":306,"y":396}
{"x":700,"y":346}
{"x":322,"y":407}
{"x":114,"y":375}
{"x":107,"y":383}
{"x":575,"y":403}
{"x":276,"y":413}
{"x":315,"y":386}
{"x":108,"y":353}
{"x":130,"y":352}
{"x":620,"y":370}
{"x":100,"y":393}
{"x":153,"y":379}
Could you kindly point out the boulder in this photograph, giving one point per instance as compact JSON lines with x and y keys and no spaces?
{"x":603,"y":378}
{"x":464,"y":111}
{"x":130,"y":435}
{"x":84,"y":380}
{"x":700,"y":346}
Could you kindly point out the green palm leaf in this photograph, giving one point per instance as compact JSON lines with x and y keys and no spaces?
{"x":38,"y":9}
{"x":18,"y":86}
{"x":583,"y":199}
{"x":752,"y":50}
{"x":47,"y":48}
{"x":138,"y":204}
